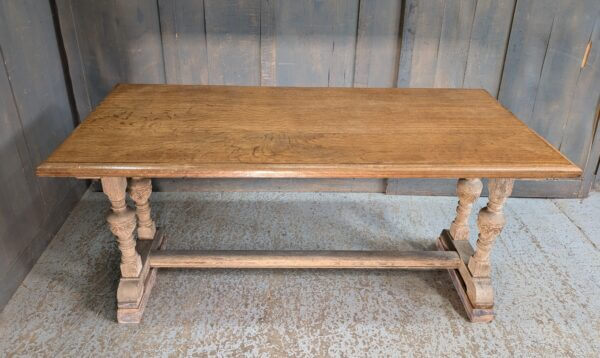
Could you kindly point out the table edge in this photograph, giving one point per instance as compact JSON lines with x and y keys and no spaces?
{"x":323,"y":171}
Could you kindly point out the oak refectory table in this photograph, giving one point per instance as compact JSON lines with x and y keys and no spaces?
{"x":141,"y":132}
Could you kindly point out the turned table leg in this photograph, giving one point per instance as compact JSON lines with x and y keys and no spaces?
{"x":137,"y":278}
{"x":472,"y":279}
{"x":468,"y":191}
{"x":140,"y":190}
{"x":490,"y":223}
{"x":122,"y":224}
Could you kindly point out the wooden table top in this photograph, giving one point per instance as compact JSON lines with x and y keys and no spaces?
{"x":226,"y":132}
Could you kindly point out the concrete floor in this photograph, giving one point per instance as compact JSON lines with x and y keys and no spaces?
{"x":546,"y":276}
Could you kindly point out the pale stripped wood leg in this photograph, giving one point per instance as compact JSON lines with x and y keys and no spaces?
{"x":490,"y":223}
{"x":137,"y":278}
{"x":472,"y":279}
{"x":122,"y":224}
{"x":140,"y":190}
{"x":468,"y":191}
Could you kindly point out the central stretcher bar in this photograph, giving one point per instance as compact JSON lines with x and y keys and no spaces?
{"x":288,"y":259}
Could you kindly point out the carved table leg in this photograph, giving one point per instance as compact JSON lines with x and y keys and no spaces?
{"x":472,"y":279}
{"x":490,"y":222}
{"x":136,"y":276}
{"x":140,"y":190}
{"x":122,"y":224}
{"x":468,"y":190}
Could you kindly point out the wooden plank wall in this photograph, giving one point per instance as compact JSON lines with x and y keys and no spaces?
{"x":528,"y":53}
{"x":35,"y":117}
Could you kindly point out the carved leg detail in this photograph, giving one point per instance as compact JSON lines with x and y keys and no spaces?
{"x":490,"y":222}
{"x":122,"y":224}
{"x":468,"y":190}
{"x":140,"y":190}
{"x":137,"y":277}
{"x":472,"y":279}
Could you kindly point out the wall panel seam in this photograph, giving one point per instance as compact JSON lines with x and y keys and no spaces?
{"x":83,"y":71}
{"x":162,"y":45}
{"x":510,"y":28}
{"x":20,"y":121}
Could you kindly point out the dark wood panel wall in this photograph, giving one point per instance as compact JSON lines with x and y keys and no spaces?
{"x":35,"y":117}
{"x":528,"y":53}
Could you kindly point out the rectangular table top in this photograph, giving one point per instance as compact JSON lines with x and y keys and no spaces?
{"x":225,"y":132}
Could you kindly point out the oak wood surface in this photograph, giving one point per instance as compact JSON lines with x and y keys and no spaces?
{"x":462,"y":279}
{"x":131,"y":312}
{"x":225,"y":131}
{"x":305,"y":259}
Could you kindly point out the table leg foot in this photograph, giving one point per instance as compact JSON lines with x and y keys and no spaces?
{"x":461,"y":279}
{"x":133,"y":292}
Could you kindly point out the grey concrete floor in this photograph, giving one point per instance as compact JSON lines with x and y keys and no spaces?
{"x":546,"y":277}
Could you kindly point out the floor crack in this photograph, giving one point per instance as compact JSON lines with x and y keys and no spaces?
{"x":577,"y":226}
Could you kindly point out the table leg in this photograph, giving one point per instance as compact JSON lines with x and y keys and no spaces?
{"x":140,"y":190}
{"x":472,"y":279}
{"x":490,"y":223}
{"x":122,"y":224}
{"x":137,"y":278}
{"x":468,"y":191}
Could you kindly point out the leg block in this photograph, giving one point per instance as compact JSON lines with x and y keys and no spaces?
{"x":475,"y":293}
{"x":133,"y":292}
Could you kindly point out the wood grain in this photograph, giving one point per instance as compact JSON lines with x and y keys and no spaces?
{"x":487,"y":46}
{"x":462,"y":279}
{"x":233,"y":41}
{"x":122,"y":223}
{"x":377,"y":43}
{"x":543,"y":82}
{"x":133,"y":293}
{"x":219,"y":131}
{"x":118,"y":41}
{"x":315,"y":42}
{"x":183,"y":41}
{"x":35,"y":117}
{"x":423,"y":22}
{"x":305,"y":259}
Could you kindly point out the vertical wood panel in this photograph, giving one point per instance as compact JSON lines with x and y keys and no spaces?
{"x":35,"y":73}
{"x":95,"y":26}
{"x":567,"y":41}
{"x":377,"y":43}
{"x":420,"y":43}
{"x":184,"y":41}
{"x":315,"y":42}
{"x":119,"y":42}
{"x":581,"y":118}
{"x":140,"y":47}
{"x":455,"y":38}
{"x":489,"y":40}
{"x":233,"y":41}
{"x":268,"y":45}
{"x":35,"y":117}
{"x":592,"y":166}
{"x":454,"y":43}
{"x":586,"y":98}
{"x":530,"y":34}
{"x":542,"y":78}
{"x":75,"y":62}
{"x":20,"y":197}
